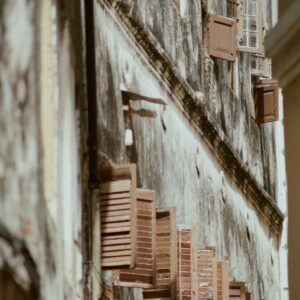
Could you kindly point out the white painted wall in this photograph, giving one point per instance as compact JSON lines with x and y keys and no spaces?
{"x":282,"y":202}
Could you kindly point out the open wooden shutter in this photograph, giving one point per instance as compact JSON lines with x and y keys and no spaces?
{"x":166,"y":254}
{"x":266,"y":103}
{"x":118,"y":216}
{"x":207,"y":273}
{"x":222,"y":280}
{"x":248,"y":296}
{"x":143,"y":274}
{"x":222,"y":37}
{"x":237,"y":291}
{"x":186,"y":264}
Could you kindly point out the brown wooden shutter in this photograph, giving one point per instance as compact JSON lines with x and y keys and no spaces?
{"x":222,"y":280}
{"x":266,"y":103}
{"x":118,"y":216}
{"x":143,"y":274}
{"x":222,"y":37}
{"x":186,"y":264}
{"x":207,"y":273}
{"x":248,"y":296}
{"x":237,"y":291}
{"x":166,"y":254}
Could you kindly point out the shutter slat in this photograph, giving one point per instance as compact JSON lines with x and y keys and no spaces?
{"x":237,"y":290}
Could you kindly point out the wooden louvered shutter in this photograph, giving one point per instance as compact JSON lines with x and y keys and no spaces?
{"x":237,"y":291}
{"x":266,"y":103}
{"x":207,"y":276}
{"x":166,"y":255}
{"x":222,"y":280}
{"x":143,"y":274}
{"x":222,"y":37}
{"x":186,"y":264}
{"x":118,"y":216}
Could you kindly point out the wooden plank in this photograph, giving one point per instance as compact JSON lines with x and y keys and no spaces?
{"x":115,"y":186}
{"x":119,"y":172}
{"x":114,"y":207}
{"x":237,"y":289}
{"x":115,"y":242}
{"x":116,"y":253}
{"x":115,"y":196}
{"x":116,"y":219}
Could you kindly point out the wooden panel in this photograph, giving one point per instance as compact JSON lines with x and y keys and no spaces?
{"x":143,"y":274}
{"x":207,"y":273}
{"x":186,"y":265}
{"x":222,"y":280}
{"x":118,"y":217}
{"x":237,"y":290}
{"x":222,"y":37}
{"x":166,"y":254}
{"x":266,"y":103}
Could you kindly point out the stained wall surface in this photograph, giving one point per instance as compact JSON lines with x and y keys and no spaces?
{"x":40,"y":153}
{"x":171,"y":156}
{"x":45,"y":202}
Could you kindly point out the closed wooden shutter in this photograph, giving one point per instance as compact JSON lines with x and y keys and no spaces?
{"x":222,"y":37}
{"x":143,"y":274}
{"x":207,"y":273}
{"x":186,"y":264}
{"x":118,"y":217}
{"x":166,"y":254}
{"x":237,"y":291}
{"x":266,"y":103}
{"x":222,"y":280}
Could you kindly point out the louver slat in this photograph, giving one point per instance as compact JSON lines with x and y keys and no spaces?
{"x":186,"y":265}
{"x":118,"y":216}
{"x":143,"y":274}
{"x":237,"y":291}
{"x":222,"y":280}
{"x":207,"y":277}
{"x":165,"y":256}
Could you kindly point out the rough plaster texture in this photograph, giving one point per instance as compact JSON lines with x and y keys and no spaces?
{"x":20,"y":190}
{"x":179,"y":34}
{"x":40,"y":182}
{"x":43,"y":157}
{"x":173,"y":160}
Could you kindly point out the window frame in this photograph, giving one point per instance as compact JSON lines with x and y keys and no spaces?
{"x":240,"y":26}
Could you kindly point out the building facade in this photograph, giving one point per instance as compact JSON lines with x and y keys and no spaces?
{"x":179,"y":89}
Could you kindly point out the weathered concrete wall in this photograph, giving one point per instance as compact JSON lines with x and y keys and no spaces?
{"x":179,"y":33}
{"x":41,"y":149}
{"x":22,"y":211}
{"x":174,"y":160}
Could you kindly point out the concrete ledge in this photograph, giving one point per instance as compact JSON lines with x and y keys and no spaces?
{"x":186,"y":99}
{"x":283,"y":46}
